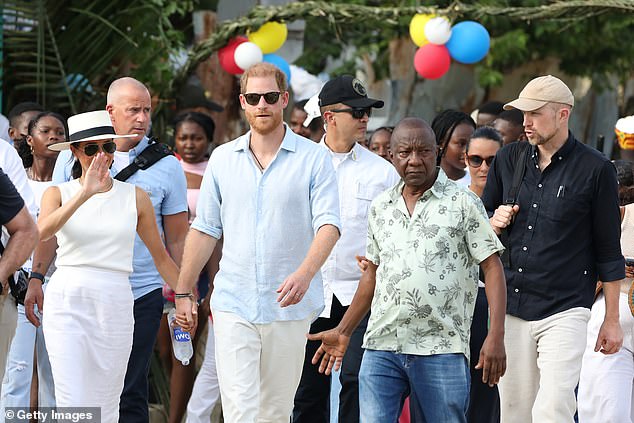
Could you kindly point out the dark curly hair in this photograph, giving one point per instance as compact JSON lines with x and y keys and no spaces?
{"x":23,"y":147}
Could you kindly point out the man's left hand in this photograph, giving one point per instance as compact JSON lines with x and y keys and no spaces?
{"x":187,"y":314}
{"x":492,"y":360}
{"x":610,"y":337}
{"x":293,"y":289}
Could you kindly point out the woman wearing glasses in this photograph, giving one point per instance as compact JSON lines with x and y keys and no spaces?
{"x":89,"y":303}
{"x":484,"y":402}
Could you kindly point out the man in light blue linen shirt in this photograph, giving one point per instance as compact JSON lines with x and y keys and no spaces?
{"x":129,"y":104}
{"x":272,"y":196}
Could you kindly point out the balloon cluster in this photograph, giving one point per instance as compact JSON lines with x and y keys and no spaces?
{"x":466,"y":42}
{"x":241,"y":52}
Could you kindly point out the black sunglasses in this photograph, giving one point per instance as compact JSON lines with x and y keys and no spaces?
{"x":356,"y":113}
{"x":254,"y":98}
{"x":92,"y":149}
{"x":476,"y":161}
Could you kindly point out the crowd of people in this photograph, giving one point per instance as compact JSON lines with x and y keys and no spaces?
{"x":475,"y":268}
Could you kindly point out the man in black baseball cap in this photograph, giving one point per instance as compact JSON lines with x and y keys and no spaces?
{"x":361,"y":175}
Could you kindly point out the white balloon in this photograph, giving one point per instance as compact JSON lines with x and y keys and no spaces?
{"x":247,"y":54}
{"x":438,"y":30}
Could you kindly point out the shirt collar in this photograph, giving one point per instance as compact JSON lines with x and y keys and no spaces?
{"x":354,"y":153}
{"x":142,"y":145}
{"x":438,"y":189}
{"x":562,"y":153}
{"x":289,"y":142}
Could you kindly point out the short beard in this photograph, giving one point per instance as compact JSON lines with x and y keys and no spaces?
{"x":264,"y":128}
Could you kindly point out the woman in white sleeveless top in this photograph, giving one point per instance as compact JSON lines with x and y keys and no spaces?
{"x":89,"y":303}
{"x":606,"y":385}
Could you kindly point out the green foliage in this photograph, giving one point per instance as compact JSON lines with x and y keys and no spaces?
{"x":46,"y":41}
{"x":591,"y":38}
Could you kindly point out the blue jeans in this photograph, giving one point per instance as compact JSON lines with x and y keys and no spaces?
{"x":440,"y":382}
{"x":16,"y":386}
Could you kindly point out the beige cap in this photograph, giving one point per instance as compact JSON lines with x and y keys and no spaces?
{"x":541,"y":91}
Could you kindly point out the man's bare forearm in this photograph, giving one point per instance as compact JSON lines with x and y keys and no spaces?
{"x":319,"y":250}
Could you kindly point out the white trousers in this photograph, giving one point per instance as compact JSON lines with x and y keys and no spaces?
{"x":259,"y":367}
{"x":88,"y":332}
{"x":206,"y":391}
{"x":544,"y":361}
{"x":605,"y":386}
{"x":8,"y":323}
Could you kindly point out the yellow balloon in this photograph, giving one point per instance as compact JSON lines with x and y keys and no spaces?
{"x":417,"y":28}
{"x":269,"y":37}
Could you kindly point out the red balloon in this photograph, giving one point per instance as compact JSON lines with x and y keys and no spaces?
{"x":432,"y":61}
{"x":225,"y":55}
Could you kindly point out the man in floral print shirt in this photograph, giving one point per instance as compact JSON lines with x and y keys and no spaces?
{"x":426,"y":238}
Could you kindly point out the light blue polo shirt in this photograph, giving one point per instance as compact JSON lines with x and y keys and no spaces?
{"x":268,"y":220}
{"x":166,"y":185}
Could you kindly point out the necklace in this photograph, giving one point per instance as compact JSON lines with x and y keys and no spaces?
{"x":256,"y":159}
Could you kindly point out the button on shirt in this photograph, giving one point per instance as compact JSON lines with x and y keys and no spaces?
{"x":361,"y":176}
{"x":566,"y":233}
{"x":268,"y":220}
{"x":166,"y":185}
{"x":427,"y":276}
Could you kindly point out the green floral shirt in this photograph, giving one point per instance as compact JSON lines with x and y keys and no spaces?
{"x":427,"y":276}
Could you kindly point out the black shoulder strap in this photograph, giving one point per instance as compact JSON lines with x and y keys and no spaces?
{"x":519,"y":160}
{"x":152,"y":154}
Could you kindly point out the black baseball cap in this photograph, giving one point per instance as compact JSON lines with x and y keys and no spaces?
{"x":348,"y":90}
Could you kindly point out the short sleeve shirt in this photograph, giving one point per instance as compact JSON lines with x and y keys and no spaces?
{"x":427,"y":276}
{"x":10,"y":201}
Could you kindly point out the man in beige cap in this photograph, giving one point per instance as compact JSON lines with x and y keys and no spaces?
{"x":563,"y":232}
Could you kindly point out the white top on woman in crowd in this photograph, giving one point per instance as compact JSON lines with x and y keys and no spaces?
{"x":101,"y":232}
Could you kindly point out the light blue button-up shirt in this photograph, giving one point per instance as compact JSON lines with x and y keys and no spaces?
{"x":166,"y":185}
{"x":268,"y":220}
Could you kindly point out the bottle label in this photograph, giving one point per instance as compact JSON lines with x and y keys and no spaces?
{"x":181,"y":336}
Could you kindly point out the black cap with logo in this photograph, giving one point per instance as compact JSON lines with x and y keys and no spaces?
{"x":348,"y":90}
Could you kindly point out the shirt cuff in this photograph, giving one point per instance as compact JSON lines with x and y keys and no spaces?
{"x":206,"y":229}
{"x":612,"y":270}
{"x":329,"y":219}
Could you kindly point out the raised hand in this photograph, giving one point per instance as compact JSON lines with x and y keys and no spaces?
{"x":503,"y":217}
{"x":97,"y":178}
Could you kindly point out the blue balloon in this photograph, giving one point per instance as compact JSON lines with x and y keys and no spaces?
{"x":278,"y":61}
{"x":469,"y":42}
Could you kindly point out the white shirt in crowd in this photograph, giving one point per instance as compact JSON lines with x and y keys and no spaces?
{"x":361,"y":176}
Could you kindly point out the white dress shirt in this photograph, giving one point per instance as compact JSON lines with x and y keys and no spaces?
{"x":361,"y":176}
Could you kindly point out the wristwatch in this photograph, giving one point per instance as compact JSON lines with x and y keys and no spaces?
{"x":36,"y":275}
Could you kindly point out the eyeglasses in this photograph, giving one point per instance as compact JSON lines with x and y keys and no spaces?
{"x":253,"y":99}
{"x":92,"y":149}
{"x":356,"y":113}
{"x":476,"y":161}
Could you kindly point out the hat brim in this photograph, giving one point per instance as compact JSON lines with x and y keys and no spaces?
{"x":364,"y":102}
{"x":60,"y":146}
{"x":525,"y":104}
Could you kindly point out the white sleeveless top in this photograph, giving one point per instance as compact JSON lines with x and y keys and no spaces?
{"x":627,"y":238}
{"x":101,"y":232}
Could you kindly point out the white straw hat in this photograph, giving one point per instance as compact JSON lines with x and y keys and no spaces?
{"x":89,"y":126}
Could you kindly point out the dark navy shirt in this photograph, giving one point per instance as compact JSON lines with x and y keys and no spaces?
{"x":10,"y":201}
{"x":567,"y":231}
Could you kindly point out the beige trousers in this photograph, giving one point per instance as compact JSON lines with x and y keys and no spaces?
{"x":259,"y":367}
{"x":8,"y":323}
{"x":543,"y":366}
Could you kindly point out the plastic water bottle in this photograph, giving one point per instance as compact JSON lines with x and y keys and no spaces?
{"x":181,"y":340}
